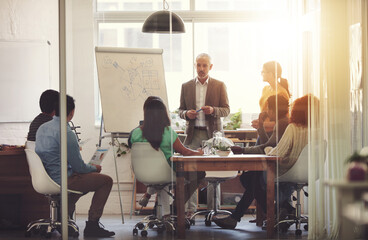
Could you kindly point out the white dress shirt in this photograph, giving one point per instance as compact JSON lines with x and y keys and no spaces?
{"x":201,"y":90}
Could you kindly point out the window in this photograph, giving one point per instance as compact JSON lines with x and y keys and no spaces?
{"x":239,"y":35}
{"x":139,"y":5}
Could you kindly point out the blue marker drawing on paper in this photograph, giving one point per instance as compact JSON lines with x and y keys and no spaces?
{"x":138,"y":78}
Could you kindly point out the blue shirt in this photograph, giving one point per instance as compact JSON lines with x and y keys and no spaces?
{"x":48,"y":148}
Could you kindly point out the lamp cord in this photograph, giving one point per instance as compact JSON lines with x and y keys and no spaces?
{"x":165,"y":5}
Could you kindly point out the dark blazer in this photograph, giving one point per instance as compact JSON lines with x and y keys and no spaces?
{"x":216,"y":97}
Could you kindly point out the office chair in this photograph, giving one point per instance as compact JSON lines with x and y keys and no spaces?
{"x":298,"y":175}
{"x":30,"y":145}
{"x":214,"y":178}
{"x":43,"y":184}
{"x":151,"y":168}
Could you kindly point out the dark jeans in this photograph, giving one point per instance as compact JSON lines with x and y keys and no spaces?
{"x":255,"y":188}
{"x":252,"y":181}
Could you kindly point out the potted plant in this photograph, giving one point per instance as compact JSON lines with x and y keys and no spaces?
{"x":222,"y":149}
{"x":357,"y":167}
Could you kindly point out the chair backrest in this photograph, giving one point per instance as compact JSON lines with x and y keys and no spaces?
{"x":150,"y":166}
{"x":41,"y":181}
{"x":30,"y":145}
{"x":298,"y":173}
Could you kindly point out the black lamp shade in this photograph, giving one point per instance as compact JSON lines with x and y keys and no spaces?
{"x":159,"y":22}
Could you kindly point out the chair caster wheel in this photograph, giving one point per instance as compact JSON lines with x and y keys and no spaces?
{"x":144,"y":233}
{"x":140,"y":226}
{"x":298,"y":232}
{"x":192,"y":222}
{"x":306,"y":227}
{"x":27,"y":234}
{"x":187,"y":225}
{"x":208,"y":223}
{"x":151,"y":225}
{"x":135,"y":232}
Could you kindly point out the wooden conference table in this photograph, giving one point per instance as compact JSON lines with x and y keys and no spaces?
{"x":242,"y":162}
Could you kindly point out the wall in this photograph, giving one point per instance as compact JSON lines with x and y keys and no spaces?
{"x":38,"y":20}
{"x":28,"y":20}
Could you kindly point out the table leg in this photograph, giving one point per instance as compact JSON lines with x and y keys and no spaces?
{"x":180,"y":200}
{"x":259,"y":215}
{"x":270,"y":199}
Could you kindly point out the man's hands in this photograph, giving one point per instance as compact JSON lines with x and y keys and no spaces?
{"x":262,"y":117}
{"x":97,"y":166}
{"x":207,"y":109}
{"x":192,"y":114}
{"x":259,"y":122}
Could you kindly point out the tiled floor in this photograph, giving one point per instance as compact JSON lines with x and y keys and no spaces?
{"x":244,"y":230}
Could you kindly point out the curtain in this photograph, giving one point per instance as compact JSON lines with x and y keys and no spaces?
{"x":340,"y":92}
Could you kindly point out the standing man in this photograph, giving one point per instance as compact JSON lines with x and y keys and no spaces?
{"x":81,"y":177}
{"x":203,"y":102}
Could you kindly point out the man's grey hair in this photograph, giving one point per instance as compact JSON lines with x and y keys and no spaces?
{"x":201,"y":55}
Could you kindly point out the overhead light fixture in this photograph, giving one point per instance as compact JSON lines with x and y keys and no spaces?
{"x":163,"y":21}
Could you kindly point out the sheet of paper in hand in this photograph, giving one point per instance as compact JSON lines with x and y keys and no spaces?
{"x":99,"y":155}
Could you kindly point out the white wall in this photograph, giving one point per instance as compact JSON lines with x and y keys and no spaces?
{"x":38,"y":20}
{"x":28,"y":20}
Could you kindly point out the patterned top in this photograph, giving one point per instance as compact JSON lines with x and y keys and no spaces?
{"x":292,"y":142}
{"x":168,"y":138}
{"x":35,"y":124}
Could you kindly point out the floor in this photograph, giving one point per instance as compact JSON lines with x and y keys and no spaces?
{"x":244,"y":230}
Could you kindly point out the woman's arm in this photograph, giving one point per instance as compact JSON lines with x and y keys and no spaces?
{"x":180,"y":148}
{"x":268,"y":126}
{"x":283,"y":148}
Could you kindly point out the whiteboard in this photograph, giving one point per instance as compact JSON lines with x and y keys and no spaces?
{"x":24,"y":75}
{"x":127,"y":76}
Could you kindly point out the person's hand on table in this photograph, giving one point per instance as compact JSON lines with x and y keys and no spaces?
{"x":200,"y":151}
{"x":191,"y":114}
{"x":236,"y":149}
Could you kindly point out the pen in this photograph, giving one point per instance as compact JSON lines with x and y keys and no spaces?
{"x":199,"y":110}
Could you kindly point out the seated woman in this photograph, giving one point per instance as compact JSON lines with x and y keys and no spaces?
{"x":251,"y":180}
{"x":157,"y":131}
{"x":279,"y":112}
{"x":288,"y":149}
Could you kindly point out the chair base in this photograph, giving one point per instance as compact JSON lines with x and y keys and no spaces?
{"x":167,"y":224}
{"x":289,"y":222}
{"x":209,"y":215}
{"x":298,"y":219}
{"x":45,"y":227}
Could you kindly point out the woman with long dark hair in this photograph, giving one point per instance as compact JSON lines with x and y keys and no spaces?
{"x":157,"y":131}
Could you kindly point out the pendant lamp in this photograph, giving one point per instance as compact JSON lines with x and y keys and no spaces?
{"x":159,"y":22}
